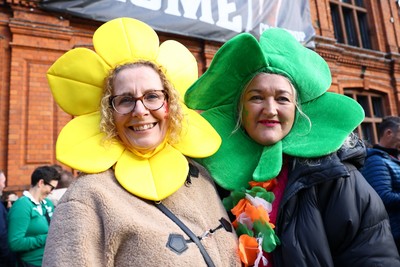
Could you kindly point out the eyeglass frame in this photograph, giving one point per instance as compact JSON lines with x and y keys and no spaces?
{"x":52,"y":187}
{"x":141,"y":98}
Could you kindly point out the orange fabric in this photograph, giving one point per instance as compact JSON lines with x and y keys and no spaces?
{"x":257,"y":213}
{"x":267,"y":185}
{"x":248,"y":249}
{"x":240,"y":207}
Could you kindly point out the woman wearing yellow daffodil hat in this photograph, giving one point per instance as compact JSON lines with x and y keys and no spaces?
{"x":141,"y":200}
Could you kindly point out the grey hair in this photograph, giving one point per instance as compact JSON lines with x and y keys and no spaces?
{"x":351,"y":141}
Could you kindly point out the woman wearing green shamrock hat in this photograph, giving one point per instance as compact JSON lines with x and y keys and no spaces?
{"x":287,"y":166}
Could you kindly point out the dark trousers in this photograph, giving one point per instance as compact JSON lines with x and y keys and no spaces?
{"x":21,"y":263}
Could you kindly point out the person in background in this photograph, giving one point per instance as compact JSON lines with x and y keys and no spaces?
{"x":382,"y":170}
{"x":67,"y":178}
{"x":29,"y":217}
{"x":7,"y":257}
{"x":8,"y":199}
{"x":287,"y":166}
{"x":139,"y":199}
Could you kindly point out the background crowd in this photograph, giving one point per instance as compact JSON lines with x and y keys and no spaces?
{"x":25,"y":220}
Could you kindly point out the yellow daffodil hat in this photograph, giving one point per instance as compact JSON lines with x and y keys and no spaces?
{"x":77,"y":80}
{"x":329,"y":117}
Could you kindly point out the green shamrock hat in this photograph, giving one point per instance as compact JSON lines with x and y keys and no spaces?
{"x":332,"y":117}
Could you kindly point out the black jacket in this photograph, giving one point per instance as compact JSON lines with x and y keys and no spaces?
{"x":330,"y":216}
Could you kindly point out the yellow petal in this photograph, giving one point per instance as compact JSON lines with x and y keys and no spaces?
{"x":125,"y":40}
{"x":76,"y":80}
{"x":79,"y":145}
{"x":155,"y":178}
{"x":180,"y":65}
{"x":198,"y":138}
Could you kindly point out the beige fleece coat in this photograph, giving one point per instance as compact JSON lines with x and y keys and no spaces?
{"x":98,"y":223}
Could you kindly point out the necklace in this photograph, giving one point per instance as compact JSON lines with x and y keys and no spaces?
{"x":251,"y":208}
{"x":255,"y":212}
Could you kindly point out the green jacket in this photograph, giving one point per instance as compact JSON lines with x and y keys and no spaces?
{"x":28,"y":227}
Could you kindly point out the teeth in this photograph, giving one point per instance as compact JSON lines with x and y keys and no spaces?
{"x":143,"y":127}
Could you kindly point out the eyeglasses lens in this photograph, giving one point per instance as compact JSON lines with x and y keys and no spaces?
{"x":124,"y":104}
{"x":49,"y":184}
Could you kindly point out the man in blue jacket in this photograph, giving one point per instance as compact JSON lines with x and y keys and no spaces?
{"x":382,"y":170}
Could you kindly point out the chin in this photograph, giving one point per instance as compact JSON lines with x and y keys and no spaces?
{"x":144,"y":150}
{"x":269,"y":142}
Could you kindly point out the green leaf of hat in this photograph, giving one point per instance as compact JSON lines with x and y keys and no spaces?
{"x":226,"y":165}
{"x":307,"y":70}
{"x":270,"y":163}
{"x":218,"y":95}
{"x":232,"y":67}
{"x":331,"y":117}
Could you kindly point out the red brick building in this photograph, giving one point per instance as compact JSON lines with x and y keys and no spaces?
{"x":360,"y":40}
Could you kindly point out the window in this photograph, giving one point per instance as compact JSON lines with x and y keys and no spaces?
{"x":373,"y":105}
{"x":349,"y":18}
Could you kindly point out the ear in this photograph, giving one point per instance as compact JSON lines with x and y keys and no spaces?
{"x":41,"y":183}
{"x":388,"y":132}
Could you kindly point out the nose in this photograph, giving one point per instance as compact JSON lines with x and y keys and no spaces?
{"x":270,"y":107}
{"x":140,"y":109}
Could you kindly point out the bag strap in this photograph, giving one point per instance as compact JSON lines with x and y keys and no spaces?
{"x":192,"y":236}
{"x":45,"y":213}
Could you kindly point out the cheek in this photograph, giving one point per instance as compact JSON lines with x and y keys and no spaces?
{"x":166,"y":110}
{"x":118,"y":121}
{"x":292,"y":115}
{"x":245,"y":116}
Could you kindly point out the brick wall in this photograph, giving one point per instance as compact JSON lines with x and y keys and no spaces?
{"x":5,"y":54}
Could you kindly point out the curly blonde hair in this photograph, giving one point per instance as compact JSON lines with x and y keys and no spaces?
{"x":175,"y":113}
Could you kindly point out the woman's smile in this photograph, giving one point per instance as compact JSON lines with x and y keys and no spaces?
{"x":143,"y":127}
{"x":269,"y":123}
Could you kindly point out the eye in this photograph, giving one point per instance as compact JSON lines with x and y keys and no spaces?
{"x":283,"y":99}
{"x":255,"y":98}
{"x":153,"y":96}
{"x":123,"y":100}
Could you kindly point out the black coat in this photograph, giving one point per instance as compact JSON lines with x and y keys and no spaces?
{"x":330,"y":216}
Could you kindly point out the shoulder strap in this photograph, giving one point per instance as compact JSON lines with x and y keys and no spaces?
{"x":45,"y":213}
{"x":192,"y":236}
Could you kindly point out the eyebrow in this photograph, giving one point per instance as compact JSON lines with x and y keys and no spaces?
{"x":253,"y":90}
{"x":279,"y":91}
{"x":144,"y":92}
